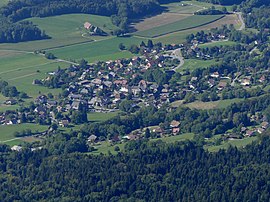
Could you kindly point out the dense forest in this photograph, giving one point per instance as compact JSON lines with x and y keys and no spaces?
{"x":146,"y":171}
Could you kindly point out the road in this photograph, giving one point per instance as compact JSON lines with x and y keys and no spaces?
{"x":176,"y":54}
{"x":240,"y":17}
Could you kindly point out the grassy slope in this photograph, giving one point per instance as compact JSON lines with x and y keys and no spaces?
{"x":20,"y":70}
{"x":187,"y":23}
{"x":99,"y":117}
{"x":7,"y":132}
{"x":192,"y":64}
{"x":64,"y":30}
{"x":99,"y":50}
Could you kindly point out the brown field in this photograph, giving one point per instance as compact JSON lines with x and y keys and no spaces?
{"x":158,"y":20}
{"x":4,"y":53}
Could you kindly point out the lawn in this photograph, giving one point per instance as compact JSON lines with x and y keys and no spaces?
{"x":193,"y":64}
{"x":100,"y":50}
{"x":64,"y":30}
{"x":185,"y":24}
{"x":7,"y":131}
{"x":100,"y":117}
{"x":22,"y":69}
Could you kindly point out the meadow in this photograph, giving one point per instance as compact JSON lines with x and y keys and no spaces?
{"x":100,"y":117}
{"x":7,"y":131}
{"x":100,"y":50}
{"x":184,"y":24}
{"x":193,"y":64}
{"x":64,"y":30}
{"x":20,"y":70}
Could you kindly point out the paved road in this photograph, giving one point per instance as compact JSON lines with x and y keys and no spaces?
{"x":176,"y":54}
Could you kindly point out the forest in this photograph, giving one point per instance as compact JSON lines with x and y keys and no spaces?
{"x":145,"y":171}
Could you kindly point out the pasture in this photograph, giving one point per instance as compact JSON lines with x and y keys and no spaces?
{"x":64,"y":30}
{"x":193,"y":64}
{"x":184,"y":24}
{"x":100,"y":117}
{"x":20,"y":70}
{"x":99,"y":50}
{"x":7,"y":131}
{"x":241,"y":143}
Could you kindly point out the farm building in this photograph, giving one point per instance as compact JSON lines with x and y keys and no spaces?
{"x":87,"y":25}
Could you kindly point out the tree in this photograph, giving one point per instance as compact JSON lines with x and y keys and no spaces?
{"x":121,"y":46}
{"x":134,"y":49}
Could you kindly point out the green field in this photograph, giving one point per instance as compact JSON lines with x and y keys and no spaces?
{"x":187,"y":23}
{"x":7,"y":131}
{"x":105,"y":147}
{"x":99,"y":50}
{"x":237,"y":143}
{"x":64,"y":30}
{"x":217,"y":43}
{"x":20,"y":70}
{"x":178,"y":8}
{"x":193,"y":64}
{"x":99,"y":117}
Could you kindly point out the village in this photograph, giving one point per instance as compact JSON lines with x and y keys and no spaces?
{"x":125,"y":85}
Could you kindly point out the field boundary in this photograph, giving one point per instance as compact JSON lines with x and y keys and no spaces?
{"x":184,"y":29}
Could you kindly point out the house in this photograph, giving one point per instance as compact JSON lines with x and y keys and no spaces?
{"x":16,"y":148}
{"x":175,"y":131}
{"x":250,"y":133}
{"x":87,"y":25}
{"x":174,"y":124}
{"x":265,"y":125}
{"x":260,"y":130}
{"x":222,"y":85}
{"x":63,"y":123}
{"x":245,"y":82}
{"x":10,"y":102}
{"x":211,"y":82}
{"x":92,"y":138}
{"x":214,"y":75}
{"x":262,"y":79}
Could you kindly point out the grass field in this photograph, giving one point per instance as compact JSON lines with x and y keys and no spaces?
{"x":237,"y":143}
{"x":192,"y":64}
{"x":178,"y":8}
{"x":64,"y":30}
{"x":100,"y":117}
{"x":187,"y":23}
{"x":105,"y":147}
{"x":7,"y":132}
{"x":99,"y":50}
{"x":20,"y":70}
{"x":217,"y":43}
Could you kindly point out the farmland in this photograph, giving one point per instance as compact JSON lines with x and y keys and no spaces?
{"x":187,"y":23}
{"x":24,"y":68}
{"x":99,"y":50}
{"x":7,"y":131}
{"x":64,"y":30}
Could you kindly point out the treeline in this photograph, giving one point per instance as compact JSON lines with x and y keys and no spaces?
{"x":17,"y":32}
{"x":146,"y":171}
